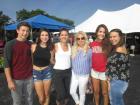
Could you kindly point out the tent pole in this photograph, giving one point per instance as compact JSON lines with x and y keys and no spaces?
{"x":125,"y":39}
{"x":5,"y":37}
{"x":31,"y":38}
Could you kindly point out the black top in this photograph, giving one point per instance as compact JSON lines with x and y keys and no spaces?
{"x":118,"y":66}
{"x":41,"y":56}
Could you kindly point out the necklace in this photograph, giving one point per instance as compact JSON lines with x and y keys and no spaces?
{"x":64,"y":46}
{"x":43,"y":45}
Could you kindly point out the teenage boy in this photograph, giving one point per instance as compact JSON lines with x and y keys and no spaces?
{"x":18,"y":66}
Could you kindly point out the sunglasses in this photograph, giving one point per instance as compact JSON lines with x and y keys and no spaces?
{"x":82,"y":38}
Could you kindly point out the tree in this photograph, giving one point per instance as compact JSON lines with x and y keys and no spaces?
{"x":66,"y":21}
{"x":37,"y":11}
{"x":4,"y":19}
{"x":24,"y":14}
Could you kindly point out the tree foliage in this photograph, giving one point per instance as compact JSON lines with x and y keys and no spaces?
{"x":66,"y":21}
{"x":4,"y":19}
{"x":24,"y":14}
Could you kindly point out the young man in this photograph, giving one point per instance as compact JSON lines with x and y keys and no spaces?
{"x":18,"y":66}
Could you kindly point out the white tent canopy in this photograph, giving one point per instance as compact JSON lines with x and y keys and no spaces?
{"x":128,"y":20}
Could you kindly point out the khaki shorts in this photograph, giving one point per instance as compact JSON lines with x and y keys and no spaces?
{"x":98,"y":75}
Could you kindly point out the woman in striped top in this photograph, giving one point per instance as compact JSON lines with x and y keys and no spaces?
{"x":81,"y":66}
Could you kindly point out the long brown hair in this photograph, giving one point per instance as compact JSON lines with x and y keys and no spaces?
{"x":121,"y":35}
{"x":106,"y":46}
{"x":49,"y":43}
{"x":102,"y":26}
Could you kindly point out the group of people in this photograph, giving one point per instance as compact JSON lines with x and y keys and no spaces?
{"x":30,"y":66}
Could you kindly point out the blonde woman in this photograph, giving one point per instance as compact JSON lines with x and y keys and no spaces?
{"x":81,"y":66}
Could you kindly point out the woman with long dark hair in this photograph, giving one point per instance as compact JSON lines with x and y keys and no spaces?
{"x":117,"y":68}
{"x":42,"y":54}
{"x":100,"y":48}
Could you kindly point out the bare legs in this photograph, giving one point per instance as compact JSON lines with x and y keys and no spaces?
{"x":42,"y":89}
{"x":96,"y":89}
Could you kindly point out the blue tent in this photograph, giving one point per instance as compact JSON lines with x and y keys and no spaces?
{"x":41,"y":21}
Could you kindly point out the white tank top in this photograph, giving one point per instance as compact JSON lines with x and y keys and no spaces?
{"x":62,"y":58}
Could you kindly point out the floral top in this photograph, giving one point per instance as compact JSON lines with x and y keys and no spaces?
{"x":118,"y":66}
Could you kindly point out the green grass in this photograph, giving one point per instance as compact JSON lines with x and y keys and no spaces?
{"x":1,"y":62}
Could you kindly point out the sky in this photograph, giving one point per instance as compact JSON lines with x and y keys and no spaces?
{"x":76,"y":10}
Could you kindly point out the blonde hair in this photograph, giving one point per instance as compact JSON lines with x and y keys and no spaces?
{"x":75,"y":46}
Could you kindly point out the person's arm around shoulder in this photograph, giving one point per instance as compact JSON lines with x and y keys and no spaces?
{"x":8,"y":63}
{"x":56,"y":47}
{"x":33,"y":47}
{"x":53,"y":51}
{"x":52,"y":60}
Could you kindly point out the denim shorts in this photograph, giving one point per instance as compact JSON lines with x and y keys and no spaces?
{"x":40,"y":75}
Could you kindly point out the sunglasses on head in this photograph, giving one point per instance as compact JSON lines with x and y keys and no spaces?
{"x":82,"y":38}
